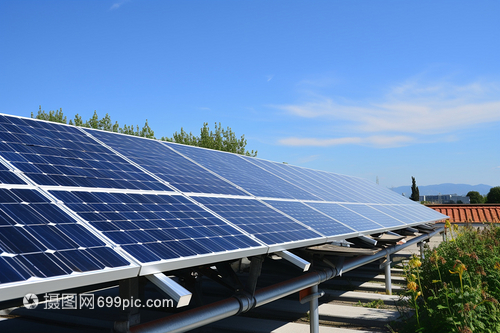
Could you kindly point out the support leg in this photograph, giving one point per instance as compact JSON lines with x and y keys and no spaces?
{"x":313,"y":311}
{"x":129,"y":290}
{"x":388,"y":282}
{"x":422,"y":244}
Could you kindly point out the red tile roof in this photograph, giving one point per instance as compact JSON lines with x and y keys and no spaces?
{"x":475,"y":213}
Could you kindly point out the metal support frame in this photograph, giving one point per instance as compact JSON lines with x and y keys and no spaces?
{"x":421,"y":245}
{"x":363,"y":240}
{"x":313,"y":311}
{"x":296,"y":260}
{"x":178,"y":293}
{"x":210,"y":313}
{"x":386,"y":265}
{"x":255,"y":270}
{"x":129,"y":289}
{"x":224,"y":275}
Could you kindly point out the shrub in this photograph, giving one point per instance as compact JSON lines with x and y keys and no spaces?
{"x":457,"y":287}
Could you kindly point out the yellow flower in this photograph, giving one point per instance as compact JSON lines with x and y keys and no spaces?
{"x":412,"y":286}
{"x":415,"y":262}
{"x":460,"y":269}
{"x":447,"y":224}
{"x":497,"y":266}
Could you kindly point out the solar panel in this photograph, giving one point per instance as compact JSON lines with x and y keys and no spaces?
{"x":39,"y":240}
{"x":346,"y":216}
{"x":7,"y":176}
{"x":246,"y":175}
{"x":261,"y":221}
{"x":168,"y":165}
{"x":109,"y":206}
{"x":155,"y":227}
{"x":313,"y":218}
{"x":386,"y":220}
{"x":57,"y":155}
{"x":328,"y":192}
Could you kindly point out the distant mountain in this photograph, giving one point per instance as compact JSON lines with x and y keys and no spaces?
{"x":448,"y":188}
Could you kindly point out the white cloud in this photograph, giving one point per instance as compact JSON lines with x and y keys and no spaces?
{"x":379,"y":141}
{"x":118,"y":4}
{"x":269,"y":77}
{"x":411,"y":108}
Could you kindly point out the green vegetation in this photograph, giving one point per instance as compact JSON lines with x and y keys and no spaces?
{"x":493,"y":195}
{"x":475,"y":197}
{"x":457,"y":287}
{"x":415,"y":194}
{"x":219,"y":139}
{"x":375,"y":304}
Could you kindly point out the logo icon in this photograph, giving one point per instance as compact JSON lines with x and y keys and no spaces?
{"x":30,"y":301}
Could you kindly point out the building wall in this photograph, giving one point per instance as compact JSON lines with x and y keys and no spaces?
{"x":445,"y":199}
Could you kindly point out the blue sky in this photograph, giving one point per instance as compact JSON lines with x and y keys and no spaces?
{"x":392,"y":89}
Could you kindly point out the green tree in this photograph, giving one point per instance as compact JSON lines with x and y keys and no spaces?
{"x":93,"y":122}
{"x":55,"y":116}
{"x":105,"y":123}
{"x":78,"y":120}
{"x":219,"y":139}
{"x":493,"y":195}
{"x":415,"y":194}
{"x":475,"y":197}
{"x":147,"y":132}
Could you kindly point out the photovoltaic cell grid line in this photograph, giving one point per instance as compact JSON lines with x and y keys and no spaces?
{"x":352,"y":189}
{"x":332,"y":192}
{"x":57,"y":155}
{"x":346,"y":216}
{"x":38,"y":239}
{"x":7,"y":176}
{"x":266,"y":224}
{"x":166,"y":164}
{"x":248,"y":176}
{"x":312,"y":218}
{"x":153,"y":227}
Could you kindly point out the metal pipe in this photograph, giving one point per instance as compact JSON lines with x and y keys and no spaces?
{"x":314,"y":312}
{"x":210,"y":313}
{"x":388,"y":282}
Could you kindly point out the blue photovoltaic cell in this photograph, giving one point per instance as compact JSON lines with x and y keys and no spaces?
{"x":257,"y":219}
{"x":338,"y":183}
{"x":385,"y":195}
{"x":39,"y":239}
{"x":312,"y":218}
{"x":58,"y":155}
{"x":244,"y":174}
{"x":6,"y":176}
{"x":424,"y":213}
{"x":346,"y":216}
{"x":381,"y":218}
{"x":152,"y":227}
{"x":310,"y":183}
{"x":166,"y":164}
{"x":396,"y":212}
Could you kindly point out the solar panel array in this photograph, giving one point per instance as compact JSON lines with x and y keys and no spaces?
{"x":81,"y":206}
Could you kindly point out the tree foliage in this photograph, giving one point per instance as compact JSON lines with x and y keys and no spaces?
{"x":218,"y":139}
{"x":415,"y":194}
{"x":493,"y":195}
{"x":475,"y":197}
{"x":55,"y":116}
